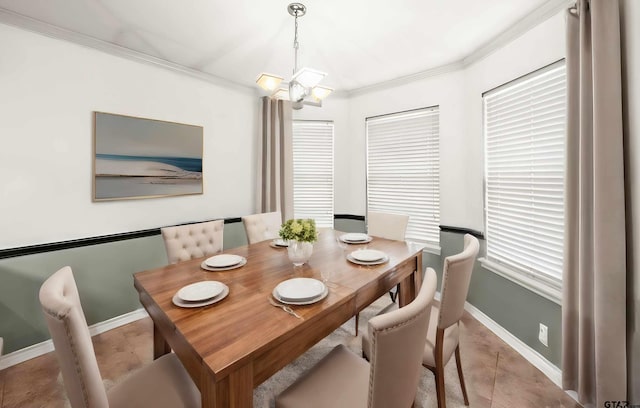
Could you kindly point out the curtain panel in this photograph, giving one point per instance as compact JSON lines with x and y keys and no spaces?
{"x":275,"y":158}
{"x":594,"y":358}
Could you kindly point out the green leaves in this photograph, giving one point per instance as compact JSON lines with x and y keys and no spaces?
{"x":303,"y":230}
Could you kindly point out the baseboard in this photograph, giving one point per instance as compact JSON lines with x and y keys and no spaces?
{"x":529,"y":354}
{"x":45,"y":347}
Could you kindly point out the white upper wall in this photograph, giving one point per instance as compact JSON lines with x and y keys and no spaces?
{"x":459,"y":95}
{"x":50,"y":89}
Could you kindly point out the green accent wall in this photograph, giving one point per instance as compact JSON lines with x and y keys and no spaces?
{"x":515,"y":308}
{"x":347,"y":225}
{"x":103,"y":274}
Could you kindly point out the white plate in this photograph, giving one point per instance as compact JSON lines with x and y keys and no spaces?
{"x":223,"y":261}
{"x":300,"y":289}
{"x":378,"y":262}
{"x":182,"y":303}
{"x":280,"y":243}
{"x":200,"y":291}
{"x":355,"y":237}
{"x":302,"y":302}
{"x":204,"y":266}
{"x":368,"y":255}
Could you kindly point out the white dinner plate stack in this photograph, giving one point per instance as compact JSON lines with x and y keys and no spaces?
{"x":223,"y":262}
{"x":200,"y":294}
{"x":368,"y":257}
{"x":300,"y":291}
{"x":355,"y":238}
{"x":279,"y":243}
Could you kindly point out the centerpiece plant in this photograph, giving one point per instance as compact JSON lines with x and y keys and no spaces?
{"x":300,"y":234}
{"x":302,"y":230}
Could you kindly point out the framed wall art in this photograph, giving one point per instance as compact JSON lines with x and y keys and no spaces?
{"x":145,"y":158}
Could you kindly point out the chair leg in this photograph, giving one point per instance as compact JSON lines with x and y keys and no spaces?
{"x":439,"y":369}
{"x":460,"y":376}
{"x":357,"y":321}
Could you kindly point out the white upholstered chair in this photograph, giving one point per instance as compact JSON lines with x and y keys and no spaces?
{"x":260,"y":227}
{"x":344,"y":380}
{"x":444,"y":331}
{"x":389,"y":226}
{"x":185,"y":242}
{"x":163,"y":383}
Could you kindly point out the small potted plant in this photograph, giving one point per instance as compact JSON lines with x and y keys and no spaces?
{"x":301,"y":234}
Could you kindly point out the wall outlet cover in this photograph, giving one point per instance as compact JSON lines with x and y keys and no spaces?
{"x":543,"y":335}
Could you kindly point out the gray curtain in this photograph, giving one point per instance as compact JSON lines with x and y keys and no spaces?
{"x":275,"y":158}
{"x":594,"y":358}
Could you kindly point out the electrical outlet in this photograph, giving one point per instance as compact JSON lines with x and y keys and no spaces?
{"x":543,"y":335}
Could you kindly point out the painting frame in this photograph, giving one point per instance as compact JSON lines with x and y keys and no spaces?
{"x":140,"y":158}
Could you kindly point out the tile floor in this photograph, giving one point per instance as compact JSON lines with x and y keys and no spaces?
{"x":496,"y":375}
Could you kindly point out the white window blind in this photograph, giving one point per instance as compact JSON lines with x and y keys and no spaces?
{"x":313,"y":171}
{"x":403,"y":170}
{"x":524,"y":129}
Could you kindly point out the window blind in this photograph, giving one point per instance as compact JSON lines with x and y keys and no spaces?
{"x":313,"y":171}
{"x":524,"y":128}
{"x":403,"y":170}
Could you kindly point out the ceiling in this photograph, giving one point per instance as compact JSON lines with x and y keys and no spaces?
{"x":359,"y":43}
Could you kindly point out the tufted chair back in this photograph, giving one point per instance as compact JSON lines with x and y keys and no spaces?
{"x":260,"y":227}
{"x":397,"y":342}
{"x":68,"y":327}
{"x":456,"y":276}
{"x":185,"y":242}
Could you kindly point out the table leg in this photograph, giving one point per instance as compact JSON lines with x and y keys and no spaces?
{"x":418,"y":273}
{"x":160,"y":345}
{"x":410,"y":286}
{"x":234,"y":391}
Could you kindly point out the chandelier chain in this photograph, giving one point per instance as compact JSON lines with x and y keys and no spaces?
{"x":295,"y":45}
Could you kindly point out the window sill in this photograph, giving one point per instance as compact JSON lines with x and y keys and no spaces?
{"x":548,"y":288}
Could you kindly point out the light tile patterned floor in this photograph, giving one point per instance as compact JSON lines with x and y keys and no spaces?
{"x":496,"y":376}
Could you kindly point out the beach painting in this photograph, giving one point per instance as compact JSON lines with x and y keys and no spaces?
{"x":144,"y":158}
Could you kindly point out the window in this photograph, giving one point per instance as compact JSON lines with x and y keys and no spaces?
{"x":403,"y":170}
{"x":524,"y":132}
{"x":313,"y":171}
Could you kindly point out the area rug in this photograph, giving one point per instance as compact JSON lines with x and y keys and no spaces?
{"x":264,"y":395}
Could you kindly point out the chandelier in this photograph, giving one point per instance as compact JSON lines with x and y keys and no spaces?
{"x":304,"y":82}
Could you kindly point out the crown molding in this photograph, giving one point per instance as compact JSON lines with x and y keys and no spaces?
{"x":407,"y":79}
{"x":537,"y":16}
{"x":11,"y":18}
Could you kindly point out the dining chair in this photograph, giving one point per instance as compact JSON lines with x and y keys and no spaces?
{"x":163,"y":383}
{"x":260,"y":227}
{"x":344,"y":380}
{"x":389,"y":226}
{"x":443,"y":337}
{"x":185,"y":242}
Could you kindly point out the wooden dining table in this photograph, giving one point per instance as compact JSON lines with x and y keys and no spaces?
{"x":232,"y":346}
